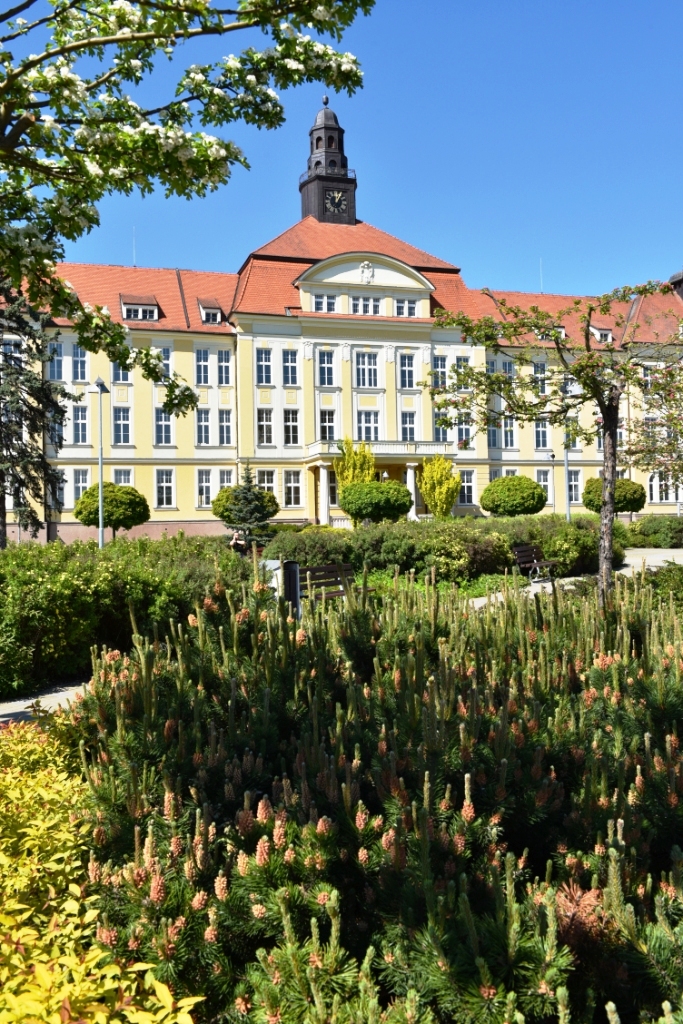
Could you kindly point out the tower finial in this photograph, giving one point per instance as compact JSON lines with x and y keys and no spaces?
{"x":325,"y":101}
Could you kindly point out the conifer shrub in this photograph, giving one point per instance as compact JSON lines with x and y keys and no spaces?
{"x":513,"y":496}
{"x":122,"y":507}
{"x":480,"y":808}
{"x":629,"y":496}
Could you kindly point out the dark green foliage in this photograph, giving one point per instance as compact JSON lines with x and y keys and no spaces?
{"x":513,"y":496}
{"x":628,"y":495}
{"x":245,"y":508}
{"x":376,"y":501}
{"x":57,"y":600}
{"x":656,"y":532}
{"x":478,"y":806}
{"x":123,"y":507}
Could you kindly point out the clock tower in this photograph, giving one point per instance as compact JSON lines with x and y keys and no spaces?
{"x":328,"y":187}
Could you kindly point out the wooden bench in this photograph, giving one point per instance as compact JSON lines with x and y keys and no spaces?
{"x":529,"y":558}
{"x":333,"y":579}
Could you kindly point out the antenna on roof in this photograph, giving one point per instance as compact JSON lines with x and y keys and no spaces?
{"x":325,"y":101}
{"x":134,"y":263}
{"x":540,"y":268}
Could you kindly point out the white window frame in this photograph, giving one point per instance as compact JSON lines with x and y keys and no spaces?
{"x":440,"y":433}
{"x":166,"y":359}
{"x":162,"y":420}
{"x":135,"y":311}
{"x":264,"y":371}
{"x":366,"y":370}
{"x":118,"y":375}
{"x":79,"y":360}
{"x":407,"y":426}
{"x":55,"y":366}
{"x":290,"y":426}
{"x":203,"y":428}
{"x":326,"y":368}
{"x":544,"y":483}
{"x":225,"y":427}
{"x":407,"y":368}
{"x":541,"y":434}
{"x":122,"y":422}
{"x":80,"y":424}
{"x":466,"y":493}
{"x":264,"y":426}
{"x":123,"y":469}
{"x":224,"y":478}
{"x":439,"y":371}
{"x":509,"y":430}
{"x":266,"y":480}
{"x":80,"y":487}
{"x":367,"y":422}
{"x":292,"y":488}
{"x":204,"y":488}
{"x":201,"y":367}
{"x":211,"y":315}
{"x":574,"y":481}
{"x":172,"y":483}
{"x":327,"y":418}
{"x":224,"y":355}
{"x":290,"y":368}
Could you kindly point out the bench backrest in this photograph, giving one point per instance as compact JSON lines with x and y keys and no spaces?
{"x":327,"y":576}
{"x":527,"y":554}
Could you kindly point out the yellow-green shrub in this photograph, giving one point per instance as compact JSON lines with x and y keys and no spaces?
{"x":51,"y":970}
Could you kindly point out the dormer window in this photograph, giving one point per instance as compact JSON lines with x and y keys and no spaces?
{"x":140,"y":307}
{"x":406,"y":307}
{"x":210,"y":310}
{"x":605,"y":337}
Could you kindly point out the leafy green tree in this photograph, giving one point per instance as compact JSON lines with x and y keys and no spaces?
{"x":123,"y":507}
{"x":355,"y":465}
{"x":71,"y":133}
{"x":628,"y":495}
{"x":439,"y":486}
{"x":513,"y":496}
{"x":582,"y":367}
{"x":375,"y":501}
{"x":245,"y":508}
{"x":654,"y":438}
{"x":31,"y":411}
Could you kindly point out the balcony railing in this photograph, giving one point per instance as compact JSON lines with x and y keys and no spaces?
{"x":407,"y":448}
{"x":317,"y":172}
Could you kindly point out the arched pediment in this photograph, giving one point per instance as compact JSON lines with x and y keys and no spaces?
{"x":364,"y":270}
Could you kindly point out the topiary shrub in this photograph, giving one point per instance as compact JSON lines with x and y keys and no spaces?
{"x":375,"y":501}
{"x":628,"y":495}
{"x":513,"y":496}
{"x":123,"y":507}
{"x":313,"y":546}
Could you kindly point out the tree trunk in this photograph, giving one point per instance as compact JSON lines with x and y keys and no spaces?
{"x":610,"y":425}
{"x":3,"y":513}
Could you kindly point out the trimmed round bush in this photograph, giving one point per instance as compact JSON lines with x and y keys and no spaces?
{"x":123,"y":507}
{"x":513,"y":496}
{"x":376,"y":501}
{"x":628,"y":495}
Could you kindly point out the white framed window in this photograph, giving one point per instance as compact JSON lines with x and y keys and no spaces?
{"x":118,"y":375}
{"x":319,"y":303}
{"x":80,"y":483}
{"x":543,"y":480}
{"x":365,"y":304}
{"x":440,"y":433}
{"x":203,"y":426}
{"x":493,"y":435}
{"x":466,"y":496}
{"x":211,"y":316}
{"x":508,"y":368}
{"x":264,"y":426}
{"x":660,"y":489}
{"x":510,"y":472}
{"x":330,"y":303}
{"x":327,"y":424}
{"x":55,"y":366}
{"x":135,"y":312}
{"x":495,"y":473}
{"x":78,"y":363}
{"x":326,"y":369}
{"x":333,"y":487}
{"x":201,"y":362}
{"x":162,"y":427}
{"x":223,"y":367}
{"x":80,"y":424}
{"x":56,"y":494}
{"x":224,"y":426}
{"x":165,"y":488}
{"x":464,"y":432}
{"x":123,"y":477}
{"x":406,"y":307}
{"x":289,"y":367}
{"x":407,"y":374}
{"x":225,"y":478}
{"x":407,"y":426}
{"x":292,"y":488}
{"x":203,"y":488}
{"x":647,"y":377}
{"x":490,"y":366}
{"x":166,"y":361}
{"x":263,"y":374}
{"x":291,"y":425}
{"x":265,"y":480}
{"x":605,"y":337}
{"x":366,"y":369}
{"x":121,"y":424}
{"x":439,"y":371}
{"x":368,"y":426}
{"x":574,"y":486}
{"x":539,"y":377}
{"x":541,"y":433}
{"x":508,"y":432}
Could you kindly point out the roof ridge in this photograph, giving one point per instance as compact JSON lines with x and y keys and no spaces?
{"x":127,"y":266}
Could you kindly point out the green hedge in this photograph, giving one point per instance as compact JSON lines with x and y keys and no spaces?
{"x":56,"y":601}
{"x":656,"y":532}
{"x":463,"y":548}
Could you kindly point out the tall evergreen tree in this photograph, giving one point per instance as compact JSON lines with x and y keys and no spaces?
{"x":32,"y":415}
{"x":245,"y":508}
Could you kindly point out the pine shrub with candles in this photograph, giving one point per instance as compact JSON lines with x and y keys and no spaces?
{"x":396,"y":805}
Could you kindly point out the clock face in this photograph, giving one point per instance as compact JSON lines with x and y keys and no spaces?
{"x":335,"y":201}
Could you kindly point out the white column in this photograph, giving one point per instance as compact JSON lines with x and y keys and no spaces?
{"x":324,"y":503}
{"x":410,"y":484}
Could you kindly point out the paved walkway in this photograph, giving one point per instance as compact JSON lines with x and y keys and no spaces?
{"x":19,"y":709}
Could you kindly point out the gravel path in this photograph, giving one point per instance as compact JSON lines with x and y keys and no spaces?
{"x":20,"y":709}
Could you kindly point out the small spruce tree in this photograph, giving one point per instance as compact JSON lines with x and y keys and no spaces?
{"x":245,"y":508}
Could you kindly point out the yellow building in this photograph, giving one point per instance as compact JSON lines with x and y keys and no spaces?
{"x":325,"y":332}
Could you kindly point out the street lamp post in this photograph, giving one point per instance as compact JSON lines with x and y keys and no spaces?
{"x":101,"y":389}
{"x":551,"y":456}
{"x":566,"y":475}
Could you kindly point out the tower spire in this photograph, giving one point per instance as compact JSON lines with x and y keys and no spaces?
{"x":328,"y":187}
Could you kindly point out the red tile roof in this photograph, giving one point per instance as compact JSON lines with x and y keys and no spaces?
{"x":311,"y":240}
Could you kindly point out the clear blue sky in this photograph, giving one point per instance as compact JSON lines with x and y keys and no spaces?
{"x":492,"y":134}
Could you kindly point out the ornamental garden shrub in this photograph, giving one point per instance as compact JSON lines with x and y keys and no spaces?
{"x":513,"y":496}
{"x":629,"y":496}
{"x":375,"y":501}
{"x":396,"y":804}
{"x":56,"y":601}
{"x":656,"y":532}
{"x":122,"y":507}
